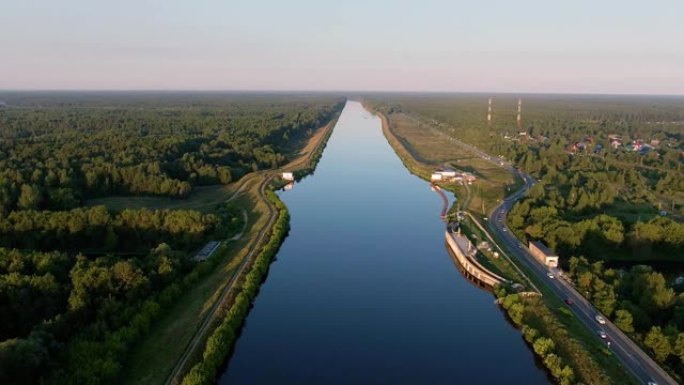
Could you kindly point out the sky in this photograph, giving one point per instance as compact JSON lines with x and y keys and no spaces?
{"x":574,"y":46}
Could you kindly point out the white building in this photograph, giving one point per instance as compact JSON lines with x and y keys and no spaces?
{"x":288,"y":176}
{"x":542,"y":254}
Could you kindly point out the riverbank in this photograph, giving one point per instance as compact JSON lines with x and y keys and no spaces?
{"x":352,"y":299}
{"x":185,"y":325}
{"x":422,"y":148}
{"x":546,"y":315}
{"x":250,"y":275}
{"x":408,"y":158}
{"x":220,"y":342}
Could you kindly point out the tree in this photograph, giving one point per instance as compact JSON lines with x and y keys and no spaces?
{"x":516,"y":312}
{"x":554,"y":364}
{"x":623,"y":320}
{"x":542,"y":346}
{"x":604,"y":299}
{"x":653,"y":293}
{"x":679,"y":347}
{"x":29,"y":197}
{"x":658,"y":343}
{"x":567,"y":375}
{"x":584,"y":281}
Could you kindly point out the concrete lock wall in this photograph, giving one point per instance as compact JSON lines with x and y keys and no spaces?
{"x":470,"y":265}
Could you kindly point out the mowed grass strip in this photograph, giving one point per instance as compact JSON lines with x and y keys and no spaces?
{"x":203,"y":199}
{"x":155,"y":356}
{"x":434,"y":149}
{"x":152,"y":361}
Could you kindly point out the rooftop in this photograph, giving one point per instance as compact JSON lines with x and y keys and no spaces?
{"x":543,"y":248}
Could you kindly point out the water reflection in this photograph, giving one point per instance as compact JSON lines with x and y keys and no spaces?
{"x":362,"y":291}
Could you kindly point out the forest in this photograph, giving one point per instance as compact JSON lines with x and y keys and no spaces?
{"x":79,"y":285}
{"x":56,"y":150}
{"x":641,"y":302}
{"x":609,"y":199}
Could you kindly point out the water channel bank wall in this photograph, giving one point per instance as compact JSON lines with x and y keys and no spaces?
{"x":464,"y":251}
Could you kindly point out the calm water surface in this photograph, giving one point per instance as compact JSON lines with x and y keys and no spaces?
{"x":363,"y":289}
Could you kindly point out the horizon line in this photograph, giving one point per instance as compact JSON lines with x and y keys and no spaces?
{"x":340,"y":91}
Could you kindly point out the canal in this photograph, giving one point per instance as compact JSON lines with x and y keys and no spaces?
{"x":363,"y":289}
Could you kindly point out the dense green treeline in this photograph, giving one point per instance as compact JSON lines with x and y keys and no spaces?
{"x":220,"y":342}
{"x":641,"y":303}
{"x":610,"y":187}
{"x":564,"y":357}
{"x":56,"y":153}
{"x":544,"y":215}
{"x":79,"y":286}
{"x":567,"y":117}
{"x":593,"y":199}
{"x":96,"y":229}
{"x":95,"y":297}
{"x":562,"y":133}
{"x":79,"y":315}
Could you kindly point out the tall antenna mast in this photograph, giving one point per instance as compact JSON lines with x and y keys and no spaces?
{"x":489,"y":117}
{"x":518,"y":120}
{"x":489,"y":113}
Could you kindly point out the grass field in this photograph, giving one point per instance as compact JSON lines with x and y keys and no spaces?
{"x":202,"y":199}
{"x":154,"y":357}
{"x":152,"y":361}
{"x":432,"y":149}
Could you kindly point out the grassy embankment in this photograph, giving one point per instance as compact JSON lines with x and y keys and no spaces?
{"x":551,"y":316}
{"x":415,"y":146}
{"x":421,"y":149}
{"x":219,"y":344}
{"x":156,"y":355}
{"x":496,"y":264}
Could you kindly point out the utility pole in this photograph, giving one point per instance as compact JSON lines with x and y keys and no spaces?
{"x":518,"y":120}
{"x":489,"y":117}
{"x":489,"y":112}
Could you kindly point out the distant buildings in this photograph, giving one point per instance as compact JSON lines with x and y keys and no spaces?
{"x":615,"y":141}
{"x":542,"y":254}
{"x":449,"y":175}
{"x":598,"y":148}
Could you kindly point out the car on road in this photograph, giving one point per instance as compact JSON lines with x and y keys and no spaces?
{"x":569,"y":301}
{"x":652,"y":383}
{"x":602,"y":334}
{"x":600,"y":319}
{"x":550,"y":275}
{"x":504,"y":229}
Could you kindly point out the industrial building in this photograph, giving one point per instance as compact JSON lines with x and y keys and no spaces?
{"x":451,"y":175}
{"x":542,"y":254}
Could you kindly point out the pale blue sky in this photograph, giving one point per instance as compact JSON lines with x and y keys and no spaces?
{"x":599,"y":46}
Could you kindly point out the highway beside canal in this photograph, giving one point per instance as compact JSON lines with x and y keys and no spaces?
{"x":363,"y":289}
{"x":635,"y":360}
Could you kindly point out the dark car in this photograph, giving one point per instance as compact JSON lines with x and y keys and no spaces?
{"x":569,"y":301}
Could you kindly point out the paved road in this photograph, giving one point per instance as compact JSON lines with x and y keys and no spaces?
{"x":635,"y":360}
{"x":641,"y":366}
